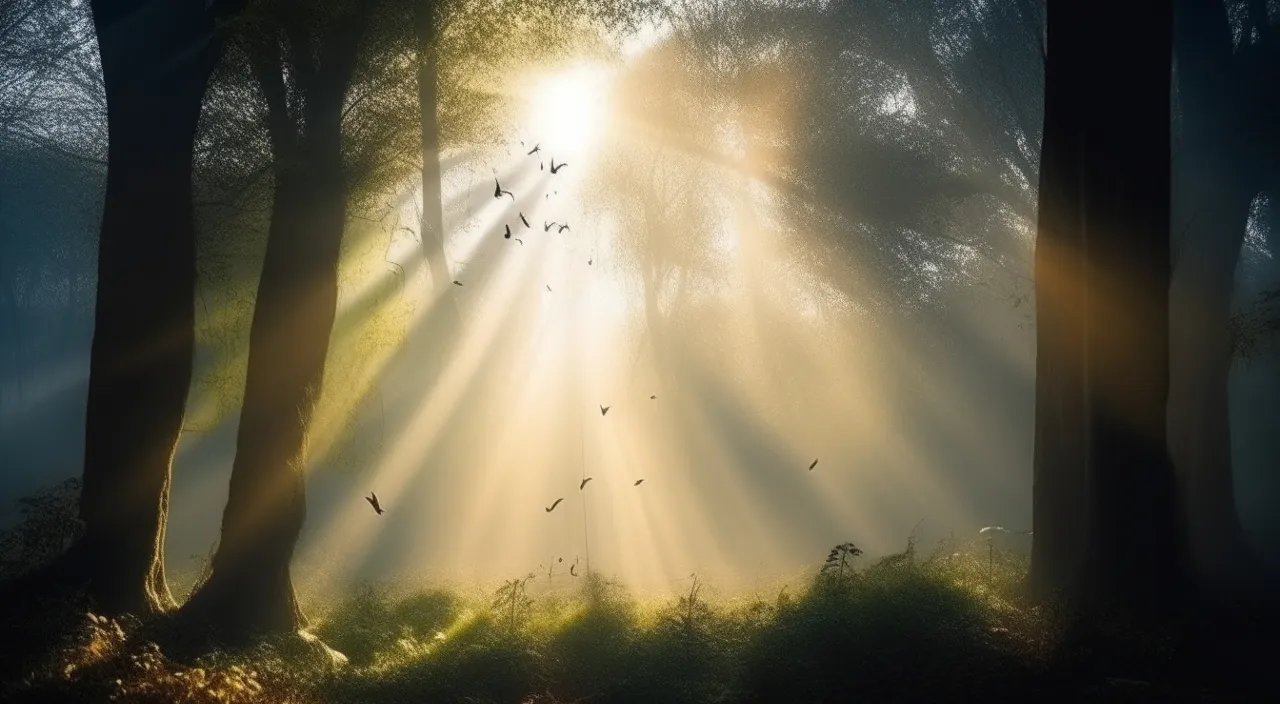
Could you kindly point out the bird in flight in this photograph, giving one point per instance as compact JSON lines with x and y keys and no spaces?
{"x":552,"y":507}
{"x":457,"y":283}
{"x":554,"y":168}
{"x":584,"y":483}
{"x":815,"y":464}
{"x":563,"y":228}
{"x":604,"y":409}
{"x":536,"y":148}
{"x":508,"y":235}
{"x":520,"y":241}
{"x":638,"y":482}
{"x":548,"y":287}
{"x":524,"y":220}
{"x":652,"y":397}
{"x":372,"y":498}
{"x":497,"y":190}
{"x":546,"y":226}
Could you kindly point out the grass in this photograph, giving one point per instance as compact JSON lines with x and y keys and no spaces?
{"x":949,"y":627}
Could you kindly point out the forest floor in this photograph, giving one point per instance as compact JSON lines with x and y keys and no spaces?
{"x":947,"y":628}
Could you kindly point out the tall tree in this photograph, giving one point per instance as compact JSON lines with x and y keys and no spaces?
{"x":156,"y":62}
{"x":303,"y":57}
{"x":1059,"y":488}
{"x":1228,"y":153}
{"x":1107,"y":102}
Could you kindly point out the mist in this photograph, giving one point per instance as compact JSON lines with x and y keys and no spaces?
{"x":705,"y":289}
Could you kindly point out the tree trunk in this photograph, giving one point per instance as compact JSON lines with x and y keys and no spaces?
{"x":1201,"y":356}
{"x":432,"y":225}
{"x":1217,"y":180}
{"x":1059,"y":490}
{"x":1107,"y":105}
{"x":1135,"y":556}
{"x":144,"y":324}
{"x":439,"y":328}
{"x":250,"y":591}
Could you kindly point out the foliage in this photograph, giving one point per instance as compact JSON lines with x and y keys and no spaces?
{"x":49,"y":523}
{"x":839,"y":559}
{"x":512,"y":600}
{"x":106,"y":660}
{"x":950,"y":627}
{"x":1256,"y":327}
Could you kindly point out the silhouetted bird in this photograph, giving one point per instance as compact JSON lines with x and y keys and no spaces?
{"x":563,"y":228}
{"x":652,"y":398}
{"x":589,"y":262}
{"x":457,"y":283}
{"x":554,"y":168}
{"x":552,"y":507}
{"x":638,"y":482}
{"x":546,"y":226}
{"x":508,"y":235}
{"x":584,"y":483}
{"x":372,"y":498}
{"x":604,"y":409}
{"x":815,"y":464}
{"x":548,"y":287}
{"x":497,"y":190}
{"x":520,"y":241}
{"x":542,"y":166}
{"x":536,"y":148}
{"x":573,"y":569}
{"x":524,"y":220}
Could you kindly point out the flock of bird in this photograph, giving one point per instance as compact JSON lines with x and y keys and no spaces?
{"x":498,"y":193}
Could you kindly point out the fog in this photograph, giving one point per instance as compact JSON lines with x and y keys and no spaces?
{"x":797,"y":233}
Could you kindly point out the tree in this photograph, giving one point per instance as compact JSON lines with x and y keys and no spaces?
{"x":1227,"y":153}
{"x":1105,"y":220}
{"x":141,"y":357}
{"x":303,"y":57}
{"x":1059,"y":488}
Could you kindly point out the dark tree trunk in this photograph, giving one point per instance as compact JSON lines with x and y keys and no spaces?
{"x":250,"y":591}
{"x":144,"y":324}
{"x":1059,"y":489}
{"x":1112,"y":67}
{"x":1135,"y":554}
{"x":1199,"y":410}
{"x":1219,"y":176}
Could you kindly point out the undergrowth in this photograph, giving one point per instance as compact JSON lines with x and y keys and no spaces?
{"x":950,"y":626}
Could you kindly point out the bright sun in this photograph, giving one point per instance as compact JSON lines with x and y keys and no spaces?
{"x":567,"y":110}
